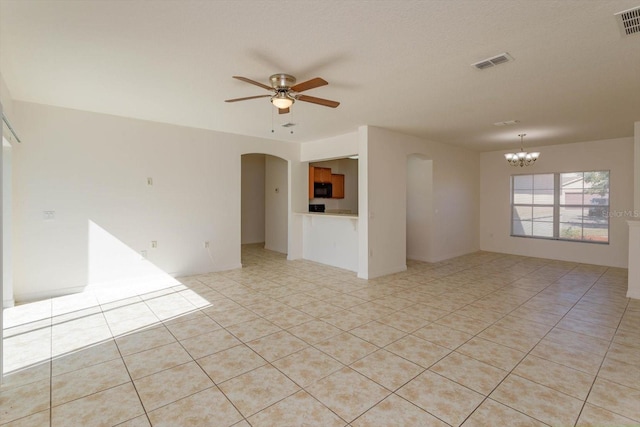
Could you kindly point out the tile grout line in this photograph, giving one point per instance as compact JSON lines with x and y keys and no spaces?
{"x":511,"y":372}
{"x":146,"y":414}
{"x":397,"y":290}
{"x":595,"y":378}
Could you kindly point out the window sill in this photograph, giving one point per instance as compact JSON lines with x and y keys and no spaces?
{"x":595,"y":242}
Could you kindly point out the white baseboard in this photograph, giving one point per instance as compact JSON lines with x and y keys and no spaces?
{"x":270,"y":248}
{"x":451,"y":255}
{"x":227,"y":267}
{"x":385,"y":272}
{"x":53,"y":293}
{"x":633,"y":293}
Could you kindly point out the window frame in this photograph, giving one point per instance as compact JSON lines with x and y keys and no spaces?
{"x":557,"y":191}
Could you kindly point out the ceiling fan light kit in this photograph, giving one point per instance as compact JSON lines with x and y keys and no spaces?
{"x":522,"y":158}
{"x":282,"y":100}
{"x":286,"y":91}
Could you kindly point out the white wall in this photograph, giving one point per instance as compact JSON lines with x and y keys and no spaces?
{"x":633,"y":287}
{"x":331,"y":240}
{"x":1,"y":274}
{"x":633,"y":284}
{"x":419,"y":207}
{"x":615,"y":155}
{"x":330,"y":148}
{"x":276,"y":204}
{"x":7,"y":102}
{"x":7,"y":140}
{"x":298,"y":199}
{"x":253,"y":210}
{"x":363,"y":202}
{"x":7,"y":224}
{"x":636,"y":169}
{"x":6,"y":108}
{"x":387,"y":203}
{"x":94,"y":167}
{"x":455,"y":198}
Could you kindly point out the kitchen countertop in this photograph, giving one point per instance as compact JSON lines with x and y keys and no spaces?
{"x":329,"y":214}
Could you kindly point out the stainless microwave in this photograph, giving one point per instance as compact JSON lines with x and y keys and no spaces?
{"x":322,"y":190}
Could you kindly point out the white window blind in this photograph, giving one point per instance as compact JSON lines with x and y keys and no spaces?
{"x":562,"y":206}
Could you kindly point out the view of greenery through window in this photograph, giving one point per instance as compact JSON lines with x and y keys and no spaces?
{"x":566,"y":206}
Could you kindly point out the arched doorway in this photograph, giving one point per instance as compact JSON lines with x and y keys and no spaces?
{"x":265,"y":201}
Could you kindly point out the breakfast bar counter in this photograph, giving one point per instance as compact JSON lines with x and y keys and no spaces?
{"x":331,"y":238}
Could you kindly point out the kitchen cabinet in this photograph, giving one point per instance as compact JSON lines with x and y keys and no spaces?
{"x":311,"y":181}
{"x":322,"y":175}
{"x":337,"y":184}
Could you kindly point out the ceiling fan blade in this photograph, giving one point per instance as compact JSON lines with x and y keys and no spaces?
{"x":309,"y":84}
{"x":319,"y":101}
{"x":283,"y":110}
{"x":253,"y":82}
{"x":248,"y":97}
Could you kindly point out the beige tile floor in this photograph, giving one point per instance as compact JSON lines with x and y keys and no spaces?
{"x":481,"y":340}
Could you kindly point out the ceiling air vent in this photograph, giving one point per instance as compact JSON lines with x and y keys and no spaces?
{"x":506,"y":123}
{"x":629,"y":21}
{"x":493,"y":61}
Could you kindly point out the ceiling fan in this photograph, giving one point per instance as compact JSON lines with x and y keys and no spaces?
{"x":285,"y":91}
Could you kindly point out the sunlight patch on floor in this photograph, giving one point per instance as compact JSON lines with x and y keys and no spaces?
{"x":125,"y":293}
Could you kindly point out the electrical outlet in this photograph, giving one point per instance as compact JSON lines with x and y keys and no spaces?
{"x":143,"y":254}
{"x":49,"y":215}
{"x":149,"y":181}
{"x":154,"y":244}
{"x":206,"y":244}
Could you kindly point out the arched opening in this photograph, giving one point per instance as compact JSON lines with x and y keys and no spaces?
{"x":419,"y":207}
{"x":265,"y":202}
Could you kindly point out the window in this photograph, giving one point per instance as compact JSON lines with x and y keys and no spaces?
{"x":562,"y":206}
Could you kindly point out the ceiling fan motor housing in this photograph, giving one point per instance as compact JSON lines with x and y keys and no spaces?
{"x":282,"y":81}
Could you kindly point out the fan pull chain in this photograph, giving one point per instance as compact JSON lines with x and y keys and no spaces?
{"x":291,"y":121}
{"x":272,"y":131}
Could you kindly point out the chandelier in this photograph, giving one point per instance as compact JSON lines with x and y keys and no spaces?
{"x":521,"y":158}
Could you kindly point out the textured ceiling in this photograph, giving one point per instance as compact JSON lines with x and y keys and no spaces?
{"x":403,"y":65}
